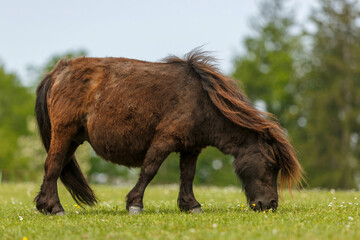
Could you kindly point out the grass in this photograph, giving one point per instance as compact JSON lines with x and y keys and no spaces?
{"x":312,"y":214}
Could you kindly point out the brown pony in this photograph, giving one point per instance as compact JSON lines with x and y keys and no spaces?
{"x":135,"y":113}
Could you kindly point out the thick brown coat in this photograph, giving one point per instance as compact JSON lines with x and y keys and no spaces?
{"x":135,"y":113}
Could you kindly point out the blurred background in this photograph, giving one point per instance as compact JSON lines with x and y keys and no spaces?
{"x":299,"y":60}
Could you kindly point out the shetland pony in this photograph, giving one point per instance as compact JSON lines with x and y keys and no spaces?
{"x":135,"y":113}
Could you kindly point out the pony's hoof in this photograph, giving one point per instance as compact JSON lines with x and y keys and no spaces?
{"x":133,"y":210}
{"x":197,"y":210}
{"x":61,"y":213}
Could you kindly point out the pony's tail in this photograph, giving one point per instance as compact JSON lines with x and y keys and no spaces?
{"x":41,"y":111}
{"x":75,"y":182}
{"x":71,"y":175}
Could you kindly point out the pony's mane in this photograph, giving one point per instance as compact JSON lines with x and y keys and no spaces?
{"x":234,"y":105}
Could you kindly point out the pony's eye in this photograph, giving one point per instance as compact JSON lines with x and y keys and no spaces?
{"x":270,"y":165}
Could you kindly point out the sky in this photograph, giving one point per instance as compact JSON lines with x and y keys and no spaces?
{"x":33,"y":31}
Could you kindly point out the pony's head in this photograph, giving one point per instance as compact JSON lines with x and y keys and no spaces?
{"x":259,"y":165}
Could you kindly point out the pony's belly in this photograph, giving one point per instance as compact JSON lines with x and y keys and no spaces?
{"x":119,"y":144}
{"x":117,"y":152}
{"x":125,"y":158}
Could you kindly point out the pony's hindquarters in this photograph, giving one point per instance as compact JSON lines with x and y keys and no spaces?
{"x":60,"y":162}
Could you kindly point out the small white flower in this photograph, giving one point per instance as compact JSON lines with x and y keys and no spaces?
{"x":215,"y":225}
{"x":350,"y":218}
{"x":334,"y":198}
{"x":192,"y":230}
{"x":350,"y":203}
{"x":21,"y":218}
{"x":76,"y":212}
{"x":355,"y":198}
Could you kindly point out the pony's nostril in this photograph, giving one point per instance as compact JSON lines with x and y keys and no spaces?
{"x":255,"y":205}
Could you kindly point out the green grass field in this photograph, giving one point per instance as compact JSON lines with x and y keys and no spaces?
{"x":312,"y":214}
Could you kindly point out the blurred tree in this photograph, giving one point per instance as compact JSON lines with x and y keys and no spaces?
{"x":267,"y":68}
{"x":16,"y":103}
{"x":332,"y":90}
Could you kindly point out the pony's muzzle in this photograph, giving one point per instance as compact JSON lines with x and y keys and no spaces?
{"x":262,"y":204}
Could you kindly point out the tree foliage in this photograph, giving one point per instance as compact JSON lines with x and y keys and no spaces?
{"x":332,"y":88}
{"x":16,"y":104}
{"x":267,"y":67}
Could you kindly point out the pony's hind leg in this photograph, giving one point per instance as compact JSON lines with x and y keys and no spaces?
{"x":186,"y":199}
{"x":156,"y":154}
{"x":60,"y":151}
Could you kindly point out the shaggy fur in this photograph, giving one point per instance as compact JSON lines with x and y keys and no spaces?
{"x":136,"y":113}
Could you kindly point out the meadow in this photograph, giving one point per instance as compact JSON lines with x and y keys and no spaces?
{"x":310,"y":214}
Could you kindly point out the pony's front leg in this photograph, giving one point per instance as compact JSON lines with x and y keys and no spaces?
{"x":155,"y":156}
{"x":186,"y":199}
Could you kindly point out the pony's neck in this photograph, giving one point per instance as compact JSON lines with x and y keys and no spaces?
{"x":236,"y":141}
